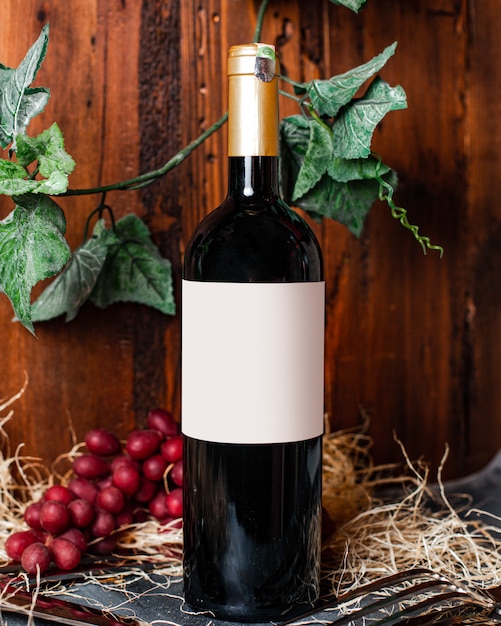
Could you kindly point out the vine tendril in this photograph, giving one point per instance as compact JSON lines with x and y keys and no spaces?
{"x":400,"y":214}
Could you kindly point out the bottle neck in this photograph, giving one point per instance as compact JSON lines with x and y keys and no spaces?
{"x":252,"y":114}
{"x":253,"y":179}
{"x":252,"y":126}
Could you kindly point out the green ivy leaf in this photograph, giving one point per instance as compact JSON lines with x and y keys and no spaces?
{"x":294,"y":133}
{"x":134,"y":270}
{"x":32,"y":248}
{"x":70,"y":290}
{"x":18,"y":102}
{"x":354,"y":5}
{"x":347,"y":203}
{"x":53,"y":186}
{"x":354,"y":126}
{"x":14,"y":184}
{"x":344,"y":170}
{"x":328,"y":96}
{"x":346,"y":189}
{"x":47,"y":149}
{"x":318,"y":156}
{"x":11,"y":177}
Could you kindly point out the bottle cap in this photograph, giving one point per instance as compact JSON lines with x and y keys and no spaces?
{"x":253,"y":100}
{"x":259,"y":59}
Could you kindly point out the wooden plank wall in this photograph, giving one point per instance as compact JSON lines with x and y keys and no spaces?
{"x":412,"y":341}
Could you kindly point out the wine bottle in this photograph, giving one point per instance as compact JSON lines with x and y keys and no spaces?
{"x":252,"y":376}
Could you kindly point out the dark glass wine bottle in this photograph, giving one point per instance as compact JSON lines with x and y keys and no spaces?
{"x":252,"y":377}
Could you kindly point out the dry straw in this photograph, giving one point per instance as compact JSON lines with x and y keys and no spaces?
{"x":367,"y":534}
{"x":385,"y":522}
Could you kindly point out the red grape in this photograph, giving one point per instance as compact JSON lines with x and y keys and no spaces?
{"x":59,"y":492}
{"x":90,"y":466}
{"x":143,"y":443}
{"x":163,"y":421}
{"x":81,"y":512}
{"x":54,"y":517}
{"x":65,"y":553}
{"x":127,"y":478}
{"x":103,"y":524}
{"x":174,"y":503}
{"x":176,"y":473}
{"x":111,"y":499}
{"x":154,"y":467}
{"x":125,"y":517}
{"x":102,"y":442}
{"x":75,"y":536}
{"x":32,"y":515}
{"x":16,"y":543}
{"x":106,"y":545}
{"x":123,"y":460}
{"x":111,"y":487}
{"x":172,"y":449}
{"x":147,"y":489}
{"x":36,"y":556}
{"x":104,"y":482}
{"x":140,"y":516}
{"x":84,"y":489}
{"x":157,"y":506}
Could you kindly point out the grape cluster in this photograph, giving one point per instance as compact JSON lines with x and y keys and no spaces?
{"x":111,"y":485}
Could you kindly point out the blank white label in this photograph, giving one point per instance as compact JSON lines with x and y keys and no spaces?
{"x":252,"y":361}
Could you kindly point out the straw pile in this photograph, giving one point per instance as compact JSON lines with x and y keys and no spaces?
{"x":413,"y":525}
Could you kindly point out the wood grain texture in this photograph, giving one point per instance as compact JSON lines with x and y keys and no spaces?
{"x":412,"y":341}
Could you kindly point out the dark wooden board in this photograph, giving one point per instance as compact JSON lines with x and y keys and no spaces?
{"x":412,"y":341}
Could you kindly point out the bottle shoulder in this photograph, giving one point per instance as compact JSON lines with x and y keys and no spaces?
{"x":234,"y":215}
{"x":245,"y":243}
